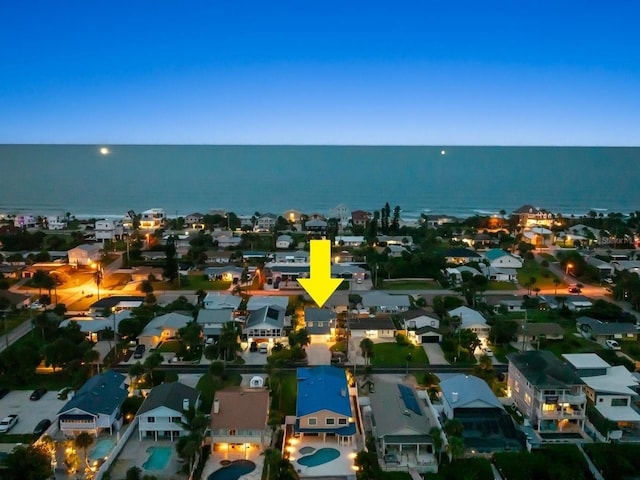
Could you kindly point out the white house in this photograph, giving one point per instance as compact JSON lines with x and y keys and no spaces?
{"x":284,"y":241}
{"x":266,"y":223}
{"x":108,"y":230}
{"x":84,"y":255}
{"x":162,"y":328}
{"x":348,"y":240}
{"x":472,"y":320}
{"x":152,"y":219}
{"x":162,"y":413}
{"x":498,"y":258}
{"x":218,"y":301}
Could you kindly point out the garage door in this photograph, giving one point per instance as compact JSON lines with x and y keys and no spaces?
{"x":430,"y":339}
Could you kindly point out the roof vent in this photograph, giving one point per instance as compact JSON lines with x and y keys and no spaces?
{"x":454,"y":397}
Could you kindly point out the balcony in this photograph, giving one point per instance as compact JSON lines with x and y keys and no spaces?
{"x":559,"y":413}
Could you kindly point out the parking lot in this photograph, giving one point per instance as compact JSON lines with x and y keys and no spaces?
{"x":30,"y":412}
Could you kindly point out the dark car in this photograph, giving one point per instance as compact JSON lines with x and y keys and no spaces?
{"x":253,"y":347}
{"x":42,"y":427}
{"x":3,"y":392}
{"x":38,"y":394}
{"x":139,"y":351}
{"x":574,"y":290}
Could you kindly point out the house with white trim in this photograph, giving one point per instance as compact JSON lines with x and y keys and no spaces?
{"x":498,"y":258}
{"x":162,"y":414}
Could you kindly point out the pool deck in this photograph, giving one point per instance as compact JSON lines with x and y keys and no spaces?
{"x":341,"y":466}
{"x":135,"y":453}
{"x":254,"y":454}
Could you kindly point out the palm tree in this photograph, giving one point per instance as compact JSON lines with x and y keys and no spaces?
{"x":228,"y":340}
{"x":152,"y":362}
{"x":556,"y":282}
{"x":82,"y":442}
{"x":136,"y":371}
{"x":456,"y":447}
{"x":366,"y":347}
{"x":93,"y":357}
{"x":436,"y":436}
{"x":97,"y":278}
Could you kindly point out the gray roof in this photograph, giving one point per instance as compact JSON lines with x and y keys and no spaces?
{"x":472,"y":392}
{"x":544,"y":328}
{"x":170,"y":395}
{"x":101,"y":394}
{"x":170,"y":320}
{"x":381,"y":299}
{"x":272,"y":317}
{"x":321,"y":320}
{"x":369,"y":323}
{"x":256,"y":302}
{"x":607,"y":328}
{"x":395,"y":416}
{"x":214,"y":316}
{"x":544,"y":370}
{"x":461,"y":253}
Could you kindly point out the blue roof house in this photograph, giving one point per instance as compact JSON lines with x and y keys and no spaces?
{"x":95,"y":406}
{"x":324,"y":406}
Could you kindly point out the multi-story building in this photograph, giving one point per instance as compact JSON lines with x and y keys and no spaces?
{"x":152,"y":219}
{"x":108,"y":230}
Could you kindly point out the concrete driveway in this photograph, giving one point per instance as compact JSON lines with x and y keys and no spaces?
{"x":30,"y":412}
{"x":318,"y":354}
{"x":434,"y":354}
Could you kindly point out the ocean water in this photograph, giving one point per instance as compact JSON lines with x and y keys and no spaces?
{"x":463,"y":181}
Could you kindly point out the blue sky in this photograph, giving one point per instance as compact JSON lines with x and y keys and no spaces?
{"x":332,"y":72}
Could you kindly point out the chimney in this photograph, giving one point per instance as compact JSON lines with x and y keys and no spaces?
{"x":185,"y":404}
{"x":216,"y":406}
{"x":454,"y":397}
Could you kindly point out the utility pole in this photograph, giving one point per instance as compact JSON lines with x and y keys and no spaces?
{"x":524,"y":331}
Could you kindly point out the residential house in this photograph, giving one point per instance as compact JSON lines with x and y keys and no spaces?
{"x":361,"y":326}
{"x":397,"y":240}
{"x":293,"y":216}
{"x":421,"y":327}
{"x":487,"y":425}
{"x":239,"y":419}
{"x":472,"y":320}
{"x":108,"y":230}
{"x":299,"y":256}
{"x":612,"y":390}
{"x":532,"y":332}
{"x":84,"y":255}
{"x":600,"y":331}
{"x":454,"y":274}
{"x":220,"y":301}
{"x":341,"y":212}
{"x":349,"y":271}
{"x":530,"y":216}
{"x":25,"y":221}
{"x":460,"y":256}
{"x":577,"y":302}
{"x":95,"y":406}
{"x":320,"y":324}
{"x":435,"y":221}
{"x":212,"y":321}
{"x":16,"y":300}
{"x":284,"y":242}
{"x":162,"y":328}
{"x":548,"y":393}
{"x":228,"y":273}
{"x":632,"y":266}
{"x":265,"y":323}
{"x":348,"y":240}
{"x":606,"y":269}
{"x":152,"y":219}
{"x":94,"y":326}
{"x":56,"y":222}
{"x":115,"y":303}
{"x":401,"y":422}
{"x":265,"y":223}
{"x":316,"y":226}
{"x":360,"y":218}
{"x":499,"y":274}
{"x":385,"y":303}
{"x":194,"y":220}
{"x":228,"y":240}
{"x":162,"y":414}
{"x":256,"y":302}
{"x":142,"y":273}
{"x":498,"y":258}
{"x":325,"y":405}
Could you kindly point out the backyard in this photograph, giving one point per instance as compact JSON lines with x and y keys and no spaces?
{"x":532,"y":269}
{"x":393,"y":354}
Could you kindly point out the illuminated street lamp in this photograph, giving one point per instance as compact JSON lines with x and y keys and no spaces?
{"x":566,"y":270}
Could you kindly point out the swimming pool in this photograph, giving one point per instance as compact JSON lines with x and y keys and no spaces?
{"x":233,"y":471}
{"x":158,"y":458}
{"x":102,"y":449}
{"x":323,"y":455}
{"x":307,"y":450}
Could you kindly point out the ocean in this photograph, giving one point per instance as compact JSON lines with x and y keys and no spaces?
{"x":182,"y":179}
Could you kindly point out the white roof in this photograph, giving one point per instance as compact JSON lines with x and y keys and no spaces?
{"x":381,"y":299}
{"x":585,"y":360}
{"x":617,"y":380}
{"x":468,"y":316}
{"x":256,"y":302}
{"x":619,"y":414}
{"x":169,"y":321}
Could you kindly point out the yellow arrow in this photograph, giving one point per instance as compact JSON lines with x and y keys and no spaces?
{"x":320,"y":285}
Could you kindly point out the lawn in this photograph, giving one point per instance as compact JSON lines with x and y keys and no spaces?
{"x":14,"y":319}
{"x":284,"y":399}
{"x":501,"y":352}
{"x":410,"y":285}
{"x":544,"y":278}
{"x":393,"y":355}
{"x":549,"y":463}
{"x":570,"y":344}
{"x":494,"y":285}
{"x":170,"y":346}
{"x":615,"y":460}
{"x":549,"y":257}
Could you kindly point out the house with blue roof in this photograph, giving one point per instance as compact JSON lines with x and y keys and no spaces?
{"x":499,"y":258}
{"x":95,"y":406}
{"x":325,"y":407}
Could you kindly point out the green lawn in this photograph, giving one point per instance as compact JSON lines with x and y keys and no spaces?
{"x":169,"y":346}
{"x":284,"y":398}
{"x":570,"y":344}
{"x":544,"y":278}
{"x":549,"y":257}
{"x":493,"y":285}
{"x":410,"y":285}
{"x":393,"y":355}
{"x":501,"y":352}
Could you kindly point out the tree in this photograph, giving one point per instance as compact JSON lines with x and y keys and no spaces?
{"x":93,"y":357}
{"x":108,"y":334}
{"x":82,"y":442}
{"x":299,"y":337}
{"x":229,"y":340}
{"x":28,"y":463}
{"x":146,"y":287}
{"x":190,"y":335}
{"x":503,"y":332}
{"x":366,"y":347}
{"x":98,"y":277}
{"x":171,"y":269}
{"x":556,"y":282}
{"x":456,"y":447}
{"x":136,"y":372}
{"x":151,"y":363}
{"x":436,"y":436}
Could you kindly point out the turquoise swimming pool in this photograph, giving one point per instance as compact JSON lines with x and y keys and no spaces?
{"x":323,"y":455}
{"x":102,"y":449}
{"x":233,"y":471}
{"x":158,"y":458}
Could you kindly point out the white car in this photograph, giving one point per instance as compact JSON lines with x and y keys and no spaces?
{"x":8,"y":423}
{"x":487,"y":351}
{"x":612,"y":345}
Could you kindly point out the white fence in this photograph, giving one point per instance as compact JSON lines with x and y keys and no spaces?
{"x":117,"y":449}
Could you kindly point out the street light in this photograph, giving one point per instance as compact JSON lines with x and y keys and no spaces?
{"x":566,"y":270}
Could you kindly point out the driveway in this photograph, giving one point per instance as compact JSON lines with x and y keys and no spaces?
{"x":318,"y":354}
{"x":434,"y":354}
{"x":30,"y":412}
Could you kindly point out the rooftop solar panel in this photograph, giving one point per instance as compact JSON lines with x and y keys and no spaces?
{"x":409,"y":399}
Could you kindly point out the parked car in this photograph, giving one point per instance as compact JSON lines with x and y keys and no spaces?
{"x":42,"y":427}
{"x":36,"y":306}
{"x":253,"y":347}
{"x":139,"y":351}
{"x":63,"y":393}
{"x":38,"y":394}
{"x":612,"y":345}
{"x":3,"y":392}
{"x":264,"y":348}
{"x":574,"y":289}
{"x":487,"y":351}
{"x":8,"y":423}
